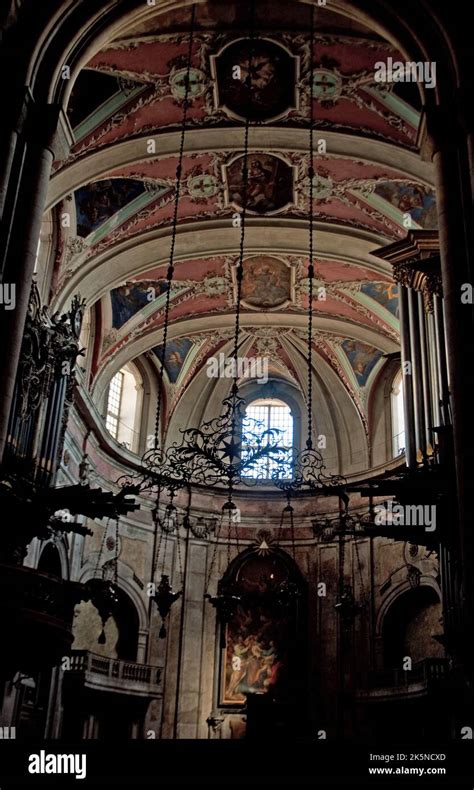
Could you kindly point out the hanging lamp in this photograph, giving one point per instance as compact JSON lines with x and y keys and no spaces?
{"x":162,"y":470}
{"x":103,"y":586}
{"x":308,"y":466}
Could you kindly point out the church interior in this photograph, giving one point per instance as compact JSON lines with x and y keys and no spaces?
{"x":236,"y":426}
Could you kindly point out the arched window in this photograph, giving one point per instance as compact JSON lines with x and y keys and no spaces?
{"x":411,"y":627}
{"x":398,"y":416}
{"x":270,"y":413}
{"x":124,"y":401}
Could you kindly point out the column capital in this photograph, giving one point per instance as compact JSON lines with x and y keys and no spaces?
{"x":440,"y":128}
{"x":44,"y":125}
{"x":48,"y":127}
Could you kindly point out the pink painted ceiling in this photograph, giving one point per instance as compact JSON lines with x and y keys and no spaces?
{"x":145,"y":99}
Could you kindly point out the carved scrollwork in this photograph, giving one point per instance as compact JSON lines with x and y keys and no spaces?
{"x":202,"y":526}
{"x":403,"y":274}
{"x":45,"y":374}
{"x":432,"y":285}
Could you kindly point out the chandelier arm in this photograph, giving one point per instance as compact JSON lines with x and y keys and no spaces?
{"x":282,"y":519}
{"x":214,"y":555}
{"x":157,"y":537}
{"x":243,"y":217}
{"x":165,"y":546}
{"x":229,"y":526}
{"x":166,"y":532}
{"x":309,"y":441}
{"x":187,"y":527}
{"x":292,"y":533}
{"x":236,"y":523}
{"x":101,"y":550}
{"x":361,"y":578}
{"x":157,"y":465}
{"x":116,"y":551}
{"x":179,"y":555}
{"x":342,"y":550}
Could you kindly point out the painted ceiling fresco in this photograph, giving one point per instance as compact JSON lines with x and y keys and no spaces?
{"x":414,"y":199}
{"x":273,"y":77}
{"x":362,"y":358}
{"x":266,"y":282}
{"x":95,"y":95}
{"x":175,"y":357}
{"x":206,"y":288}
{"x":385,"y":294}
{"x":138,"y":85}
{"x":135,"y":198}
{"x":269,"y":187}
{"x":99,"y":201}
{"x":130,"y":299}
{"x":344,"y":91}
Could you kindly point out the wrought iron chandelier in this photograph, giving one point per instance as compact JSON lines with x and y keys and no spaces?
{"x":308,"y":468}
{"x":228,"y":450}
{"x":215,"y":453}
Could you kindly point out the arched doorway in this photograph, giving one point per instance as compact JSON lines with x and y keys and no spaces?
{"x":262,"y":663}
{"x":410,"y":626}
{"x":121,"y":629}
{"x":50,"y":561}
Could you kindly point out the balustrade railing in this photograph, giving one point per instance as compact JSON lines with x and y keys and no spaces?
{"x":85,"y":661}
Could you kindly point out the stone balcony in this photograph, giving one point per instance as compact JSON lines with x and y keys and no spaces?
{"x":100,"y":673}
{"x":389,"y":684}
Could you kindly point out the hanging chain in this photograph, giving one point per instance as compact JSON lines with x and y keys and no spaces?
{"x":240,"y":270}
{"x":165,"y":546}
{"x":237,"y":539}
{"x":229,"y":531}
{"x":342,"y":551}
{"x":214,"y":554}
{"x":116,"y":551}
{"x":187,"y":526}
{"x":309,"y":441}
{"x":169,"y":279}
{"x":287,"y":509}
{"x":243,"y":214}
{"x":156,"y":557}
{"x":101,"y":551}
{"x":363,"y":598}
{"x":174,"y":225}
{"x":178,"y":553}
{"x":292,"y":532}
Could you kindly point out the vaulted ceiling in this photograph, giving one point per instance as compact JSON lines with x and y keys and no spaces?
{"x":118,"y":187}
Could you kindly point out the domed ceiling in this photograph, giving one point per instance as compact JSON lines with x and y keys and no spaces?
{"x":118,"y":187}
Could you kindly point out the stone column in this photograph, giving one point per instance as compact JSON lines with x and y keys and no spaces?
{"x":13,"y":148}
{"x":6,"y":164}
{"x":45,"y":136}
{"x":142,"y":645}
